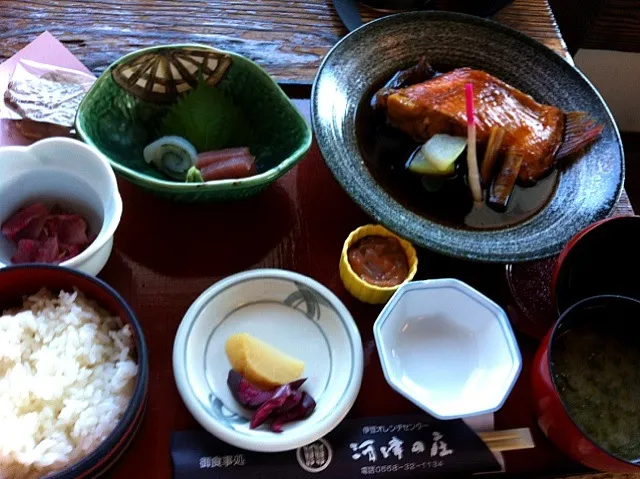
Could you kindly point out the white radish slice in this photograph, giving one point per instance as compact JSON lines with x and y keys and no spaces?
{"x":438,"y":155}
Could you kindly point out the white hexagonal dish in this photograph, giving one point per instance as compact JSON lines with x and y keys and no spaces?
{"x":447,"y":348}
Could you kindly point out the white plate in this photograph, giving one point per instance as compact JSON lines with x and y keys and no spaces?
{"x":447,"y":348}
{"x":295,"y":314}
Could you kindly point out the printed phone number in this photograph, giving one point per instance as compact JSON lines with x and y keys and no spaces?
{"x":410,"y":466}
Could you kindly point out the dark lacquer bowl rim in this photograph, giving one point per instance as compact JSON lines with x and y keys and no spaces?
{"x":435,"y":235}
{"x":114,"y":445}
{"x":566,"y":253}
{"x":553,"y":336}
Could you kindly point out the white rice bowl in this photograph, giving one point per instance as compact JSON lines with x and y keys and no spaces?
{"x":66,"y":378}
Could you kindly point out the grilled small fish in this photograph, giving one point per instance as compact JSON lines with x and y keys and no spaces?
{"x":542,"y":133}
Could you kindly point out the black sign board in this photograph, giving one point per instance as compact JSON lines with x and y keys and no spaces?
{"x":393,"y":447}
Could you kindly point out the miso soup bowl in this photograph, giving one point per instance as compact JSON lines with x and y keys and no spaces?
{"x":71,"y":174}
{"x":602,"y":259}
{"x":554,"y":418}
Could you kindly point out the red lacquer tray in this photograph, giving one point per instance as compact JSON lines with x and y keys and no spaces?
{"x":166,"y":254}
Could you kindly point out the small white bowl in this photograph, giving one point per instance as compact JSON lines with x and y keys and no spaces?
{"x":69,"y":173}
{"x":295,"y":314}
{"x":447,"y":348}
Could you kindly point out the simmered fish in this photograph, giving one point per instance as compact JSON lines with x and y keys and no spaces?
{"x":536,"y":130}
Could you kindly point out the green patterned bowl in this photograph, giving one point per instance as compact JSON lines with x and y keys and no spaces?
{"x":120,"y":115}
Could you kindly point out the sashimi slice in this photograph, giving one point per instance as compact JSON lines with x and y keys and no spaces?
{"x":209,"y":157}
{"x":26,"y":253}
{"x":20,"y":220}
{"x":47,"y":251}
{"x":72,"y":229}
{"x":32,"y":230}
{"x":68,"y":251}
{"x":232,"y":168}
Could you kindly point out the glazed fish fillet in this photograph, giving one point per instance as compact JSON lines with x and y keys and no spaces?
{"x":438,"y":106}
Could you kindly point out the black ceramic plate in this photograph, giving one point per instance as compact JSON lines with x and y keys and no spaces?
{"x":586,"y":191}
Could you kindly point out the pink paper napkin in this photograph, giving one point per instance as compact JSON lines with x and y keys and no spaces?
{"x":44,"y":49}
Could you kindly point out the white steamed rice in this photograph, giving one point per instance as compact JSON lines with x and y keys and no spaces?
{"x":66,"y":377}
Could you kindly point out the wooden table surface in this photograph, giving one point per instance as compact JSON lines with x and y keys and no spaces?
{"x":288,"y":38}
{"x":300,"y":227}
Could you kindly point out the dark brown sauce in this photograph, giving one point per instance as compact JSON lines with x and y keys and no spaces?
{"x":386,"y":151}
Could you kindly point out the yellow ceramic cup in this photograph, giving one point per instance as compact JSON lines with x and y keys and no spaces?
{"x":366,"y":292}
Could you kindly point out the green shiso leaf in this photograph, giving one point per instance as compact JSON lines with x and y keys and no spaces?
{"x":207,"y":118}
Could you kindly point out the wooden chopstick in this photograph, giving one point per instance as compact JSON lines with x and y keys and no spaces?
{"x":508,"y":440}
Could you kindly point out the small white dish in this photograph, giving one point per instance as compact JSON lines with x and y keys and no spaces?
{"x":295,"y":314}
{"x":71,"y":174}
{"x":447,"y":348}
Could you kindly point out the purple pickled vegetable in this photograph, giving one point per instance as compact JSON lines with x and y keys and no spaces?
{"x":279,"y":398}
{"x":295,"y":385}
{"x":283,"y":404}
{"x":306,"y":406}
{"x":250,"y":395}
{"x":233,"y":380}
{"x":246,"y":393}
{"x":292,"y":401}
{"x":280,"y":421}
{"x":302,"y":410}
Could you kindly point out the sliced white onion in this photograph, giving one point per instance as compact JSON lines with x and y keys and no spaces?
{"x":173,"y":155}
